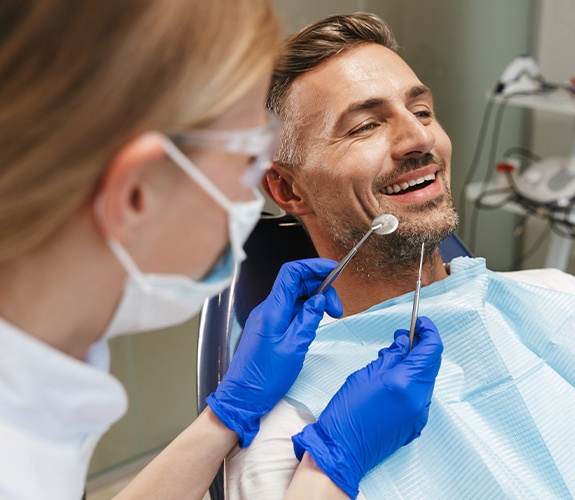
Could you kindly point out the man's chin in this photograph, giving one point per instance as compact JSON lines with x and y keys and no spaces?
{"x":404,"y":245}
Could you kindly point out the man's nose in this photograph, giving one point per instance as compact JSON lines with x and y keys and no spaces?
{"x":412,"y":138}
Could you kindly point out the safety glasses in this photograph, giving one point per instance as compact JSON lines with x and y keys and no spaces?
{"x":259,"y":143}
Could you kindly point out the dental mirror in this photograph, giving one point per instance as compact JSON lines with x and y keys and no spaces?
{"x":381,"y":225}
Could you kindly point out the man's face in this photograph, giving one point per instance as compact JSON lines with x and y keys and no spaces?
{"x":372,"y":145}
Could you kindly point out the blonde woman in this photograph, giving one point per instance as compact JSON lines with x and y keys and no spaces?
{"x":132,"y":135}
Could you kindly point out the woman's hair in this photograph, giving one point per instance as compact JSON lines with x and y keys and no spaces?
{"x":79,"y":78}
{"x":306,"y":50}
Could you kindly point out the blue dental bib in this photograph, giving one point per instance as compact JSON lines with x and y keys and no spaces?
{"x":502,"y":418}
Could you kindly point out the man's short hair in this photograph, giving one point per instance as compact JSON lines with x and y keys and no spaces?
{"x":307,"y":49}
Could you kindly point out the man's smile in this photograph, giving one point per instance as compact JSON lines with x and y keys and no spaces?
{"x":417,"y":185}
{"x":410,"y":185}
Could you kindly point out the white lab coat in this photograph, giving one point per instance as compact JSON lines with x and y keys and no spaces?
{"x":53,"y":411}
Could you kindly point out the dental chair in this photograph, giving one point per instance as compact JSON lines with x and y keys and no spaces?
{"x":275,"y":240}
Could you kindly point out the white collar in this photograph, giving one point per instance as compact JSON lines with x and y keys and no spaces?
{"x":53,"y":395}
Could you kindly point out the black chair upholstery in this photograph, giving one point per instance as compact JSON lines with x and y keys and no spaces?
{"x":275,"y":240}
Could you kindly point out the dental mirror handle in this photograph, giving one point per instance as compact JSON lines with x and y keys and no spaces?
{"x":326,"y":283}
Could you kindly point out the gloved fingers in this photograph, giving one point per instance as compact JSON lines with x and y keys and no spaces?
{"x":388,"y":357}
{"x":424,"y":360}
{"x":400,"y":343}
{"x":282,"y":304}
{"x":297,"y":307}
{"x":333,"y":305}
{"x":302,"y":329}
{"x":401,"y":339}
{"x":429,"y":342}
{"x":401,"y":332}
{"x":424,"y":323}
{"x":296,"y":279}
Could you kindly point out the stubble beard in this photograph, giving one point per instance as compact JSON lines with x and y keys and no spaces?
{"x":430,"y":223}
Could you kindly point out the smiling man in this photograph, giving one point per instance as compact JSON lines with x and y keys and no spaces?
{"x":360,"y":139}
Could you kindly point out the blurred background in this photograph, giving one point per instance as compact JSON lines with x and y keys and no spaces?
{"x":459,"y":48}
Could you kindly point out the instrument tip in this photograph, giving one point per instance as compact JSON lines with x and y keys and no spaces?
{"x":384,"y":224}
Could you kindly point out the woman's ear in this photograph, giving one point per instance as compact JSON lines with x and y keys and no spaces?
{"x":281,"y":186}
{"x":122,"y":201}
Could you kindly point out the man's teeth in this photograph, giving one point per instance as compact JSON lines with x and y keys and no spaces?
{"x":396,"y":188}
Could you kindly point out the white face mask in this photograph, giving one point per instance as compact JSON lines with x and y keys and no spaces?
{"x":154,"y":301}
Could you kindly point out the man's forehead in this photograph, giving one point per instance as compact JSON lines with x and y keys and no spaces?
{"x":369,"y":71}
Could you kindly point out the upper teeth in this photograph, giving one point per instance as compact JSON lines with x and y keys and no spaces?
{"x":402,"y":186}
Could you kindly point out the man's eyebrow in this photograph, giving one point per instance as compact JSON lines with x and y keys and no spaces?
{"x":364,"y":105}
{"x":358,"y":107}
{"x":375,"y":102}
{"x":418,"y":90}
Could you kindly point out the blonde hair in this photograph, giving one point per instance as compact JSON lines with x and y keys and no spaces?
{"x":81,"y":77}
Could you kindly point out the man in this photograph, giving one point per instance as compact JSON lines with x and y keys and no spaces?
{"x":360,"y":139}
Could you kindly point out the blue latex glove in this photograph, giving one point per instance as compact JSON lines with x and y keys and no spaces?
{"x":379,"y":409}
{"x":273,"y":346}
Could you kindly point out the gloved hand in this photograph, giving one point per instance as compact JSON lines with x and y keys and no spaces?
{"x":273,"y":346}
{"x":379,"y":409}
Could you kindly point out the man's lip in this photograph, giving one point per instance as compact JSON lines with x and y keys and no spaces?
{"x":415,"y":174}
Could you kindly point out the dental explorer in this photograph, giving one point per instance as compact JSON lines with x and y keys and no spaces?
{"x":382,"y":225}
{"x":415,"y":310}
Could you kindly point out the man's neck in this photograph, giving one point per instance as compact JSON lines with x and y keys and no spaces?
{"x":359,"y":291}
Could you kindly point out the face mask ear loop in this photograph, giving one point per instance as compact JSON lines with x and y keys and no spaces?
{"x":128,"y":263}
{"x":197,"y":175}
{"x":120,"y":252}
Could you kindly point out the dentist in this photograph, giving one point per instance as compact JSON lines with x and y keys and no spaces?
{"x":133,"y":135}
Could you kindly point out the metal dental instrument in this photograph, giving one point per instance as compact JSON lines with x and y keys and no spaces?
{"x":382,"y":225}
{"x":415,"y":309}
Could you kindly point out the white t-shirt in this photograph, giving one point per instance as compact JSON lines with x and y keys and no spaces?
{"x":265,"y":468}
{"x":53,"y":411}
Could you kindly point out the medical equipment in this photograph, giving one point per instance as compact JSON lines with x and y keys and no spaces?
{"x":551,"y":180}
{"x":534,"y":187}
{"x":415,"y":309}
{"x":521,"y":75}
{"x":382,"y":225}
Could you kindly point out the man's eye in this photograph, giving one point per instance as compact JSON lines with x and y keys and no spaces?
{"x":423,"y":114}
{"x":363,"y":128}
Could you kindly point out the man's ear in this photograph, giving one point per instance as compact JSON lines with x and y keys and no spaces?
{"x":122,"y":201}
{"x":281,"y":187}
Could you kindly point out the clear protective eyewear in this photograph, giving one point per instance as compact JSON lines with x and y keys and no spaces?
{"x":258,"y":142}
